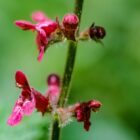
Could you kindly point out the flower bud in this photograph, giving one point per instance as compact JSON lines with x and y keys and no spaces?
{"x":70,"y":21}
{"x":70,"y":24}
{"x":53,"y":80}
{"x":97,"y":32}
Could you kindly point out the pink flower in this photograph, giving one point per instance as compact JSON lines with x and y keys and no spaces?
{"x":44,"y":28}
{"x":27,"y":101}
{"x":53,"y":91}
{"x":83,"y":111}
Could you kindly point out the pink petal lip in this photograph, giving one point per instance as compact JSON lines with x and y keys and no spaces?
{"x":53,"y":93}
{"x":41,"y":53}
{"x":16,"y":116}
{"x":39,"y":16}
{"x":28,"y":107}
{"x":25,"y":25}
{"x":48,"y":26}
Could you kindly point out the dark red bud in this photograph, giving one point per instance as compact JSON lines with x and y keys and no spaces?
{"x":97,"y":32}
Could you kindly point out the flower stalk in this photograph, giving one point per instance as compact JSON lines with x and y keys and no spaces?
{"x":71,"y":55}
{"x":72,"y":48}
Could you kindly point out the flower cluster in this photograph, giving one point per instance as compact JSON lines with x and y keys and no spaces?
{"x":50,"y":31}
{"x":31,"y":99}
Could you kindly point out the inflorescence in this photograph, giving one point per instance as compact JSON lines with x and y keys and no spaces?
{"x":49,"y":32}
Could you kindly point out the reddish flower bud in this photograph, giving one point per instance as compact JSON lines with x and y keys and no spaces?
{"x":97,"y":32}
{"x":70,"y":21}
{"x":53,"y":79}
{"x":53,"y":92}
{"x":70,"y":24}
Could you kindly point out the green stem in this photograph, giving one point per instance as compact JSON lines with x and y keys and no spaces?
{"x":72,"y":47}
{"x":55,"y":130}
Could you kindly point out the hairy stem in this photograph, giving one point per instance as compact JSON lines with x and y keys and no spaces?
{"x":72,"y":47}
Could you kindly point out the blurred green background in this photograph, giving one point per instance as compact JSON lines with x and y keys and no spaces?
{"x":110,"y":74}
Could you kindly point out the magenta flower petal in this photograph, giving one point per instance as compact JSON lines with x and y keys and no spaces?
{"x":16,"y":116}
{"x":79,"y":115}
{"x":39,"y":16}
{"x":25,"y":25}
{"x":41,"y":53}
{"x":28,"y":107}
{"x":53,"y":93}
{"x":42,"y":42}
{"x":48,"y":26}
{"x":41,"y":39}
